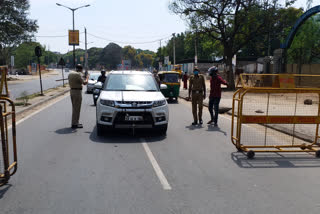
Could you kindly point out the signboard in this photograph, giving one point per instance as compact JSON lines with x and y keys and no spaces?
{"x":73,"y":37}
{"x":38,"y":51}
{"x":166,"y":60}
{"x":286,"y":81}
{"x":12,"y":61}
{"x":62,"y":62}
{"x":81,"y":59}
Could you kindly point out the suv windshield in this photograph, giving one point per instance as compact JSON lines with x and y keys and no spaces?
{"x":94,"y":76}
{"x":129,"y":82}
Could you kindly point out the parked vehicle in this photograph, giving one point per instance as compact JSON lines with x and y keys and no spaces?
{"x":172,"y":81}
{"x":96,"y":92}
{"x":93,"y":79}
{"x":131,"y":100}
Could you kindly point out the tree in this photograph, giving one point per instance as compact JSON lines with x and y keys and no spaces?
{"x":15,"y":26}
{"x":93,"y":59}
{"x":111,"y":56}
{"x":232,"y":22}
{"x":144,"y":60}
{"x":129,"y":53}
{"x":24,"y":54}
{"x":305,"y":48}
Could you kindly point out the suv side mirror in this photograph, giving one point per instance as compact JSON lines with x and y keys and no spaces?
{"x":163,"y":87}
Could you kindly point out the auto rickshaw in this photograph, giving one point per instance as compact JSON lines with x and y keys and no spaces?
{"x":172,"y":81}
{"x":178,"y":68}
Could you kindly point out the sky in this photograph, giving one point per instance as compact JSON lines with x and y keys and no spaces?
{"x":125,"y":22}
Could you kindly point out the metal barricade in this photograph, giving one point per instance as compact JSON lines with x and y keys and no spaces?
{"x":276,"y":100}
{"x":8,"y":152}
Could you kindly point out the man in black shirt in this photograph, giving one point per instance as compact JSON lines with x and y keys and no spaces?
{"x":102,"y":77}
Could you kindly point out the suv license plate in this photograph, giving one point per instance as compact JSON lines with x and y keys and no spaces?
{"x":134,"y":118}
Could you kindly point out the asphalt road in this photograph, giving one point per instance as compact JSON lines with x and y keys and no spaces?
{"x":189,"y":171}
{"x":33,"y":86}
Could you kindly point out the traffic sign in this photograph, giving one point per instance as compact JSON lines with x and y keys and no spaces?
{"x":38,"y":51}
{"x":62,"y":62}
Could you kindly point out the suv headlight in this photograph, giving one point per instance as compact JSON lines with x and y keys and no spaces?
{"x":107,"y":102}
{"x":159,"y":103}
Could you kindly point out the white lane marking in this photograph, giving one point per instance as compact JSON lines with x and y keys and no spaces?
{"x":155,"y":165}
{"x":38,"y":111}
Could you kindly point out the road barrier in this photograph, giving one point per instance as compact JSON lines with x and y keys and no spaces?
{"x":8,"y":153}
{"x":270,"y":100}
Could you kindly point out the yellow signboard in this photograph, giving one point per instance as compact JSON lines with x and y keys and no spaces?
{"x":81,"y":59}
{"x":73,"y":37}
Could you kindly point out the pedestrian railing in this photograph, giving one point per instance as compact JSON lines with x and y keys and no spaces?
{"x":277,"y":102}
{"x":8,"y":153}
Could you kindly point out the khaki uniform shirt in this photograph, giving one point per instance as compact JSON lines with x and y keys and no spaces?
{"x":75,"y":80}
{"x":197,"y":83}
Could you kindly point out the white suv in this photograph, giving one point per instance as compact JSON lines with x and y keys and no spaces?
{"x":131,"y":100}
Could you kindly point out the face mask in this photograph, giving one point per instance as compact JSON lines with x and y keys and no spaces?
{"x":195,"y":72}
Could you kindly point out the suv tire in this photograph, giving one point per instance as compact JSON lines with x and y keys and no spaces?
{"x":162,"y":129}
{"x":99,"y":129}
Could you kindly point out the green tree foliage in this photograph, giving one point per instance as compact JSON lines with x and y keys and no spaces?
{"x":129,"y":53}
{"x":93,"y":57}
{"x":234,"y":23}
{"x":24,"y":54}
{"x":144,"y":60}
{"x":15,"y":26}
{"x":305,"y":48}
{"x":111,"y":56}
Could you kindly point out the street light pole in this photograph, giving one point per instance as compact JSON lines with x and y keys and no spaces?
{"x":73,"y":9}
{"x":74,"y":47}
{"x":174,"y":49}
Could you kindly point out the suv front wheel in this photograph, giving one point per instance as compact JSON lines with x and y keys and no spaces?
{"x":162,"y":129}
{"x":100,"y":129}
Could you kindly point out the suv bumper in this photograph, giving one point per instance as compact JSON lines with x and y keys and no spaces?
{"x":115,"y":117}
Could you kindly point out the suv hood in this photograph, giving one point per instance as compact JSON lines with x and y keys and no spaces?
{"x":132,"y":95}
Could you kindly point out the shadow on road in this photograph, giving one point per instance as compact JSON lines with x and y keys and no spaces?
{"x":173,"y":101}
{"x":125,"y":136}
{"x":275,"y":160}
{"x":4,"y":189}
{"x":67,"y":130}
{"x":212,"y":128}
{"x":192,"y":127}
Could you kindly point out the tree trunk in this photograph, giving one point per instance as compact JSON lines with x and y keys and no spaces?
{"x":230,"y":75}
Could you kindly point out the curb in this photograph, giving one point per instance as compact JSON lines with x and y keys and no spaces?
{"x":41,"y":102}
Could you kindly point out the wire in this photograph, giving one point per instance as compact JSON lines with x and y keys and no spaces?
{"x":56,"y":36}
{"x":122,"y":42}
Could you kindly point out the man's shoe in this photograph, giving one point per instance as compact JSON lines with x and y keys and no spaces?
{"x":79,"y":126}
{"x":210,"y":121}
{"x":200,"y":121}
{"x":195,"y":123}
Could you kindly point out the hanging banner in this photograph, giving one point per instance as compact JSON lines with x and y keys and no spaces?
{"x":73,"y":37}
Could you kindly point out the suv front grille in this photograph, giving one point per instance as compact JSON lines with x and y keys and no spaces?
{"x":134,"y":104}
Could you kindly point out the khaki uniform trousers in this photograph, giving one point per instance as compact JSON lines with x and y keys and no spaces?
{"x":76,"y":99}
{"x":197,"y":100}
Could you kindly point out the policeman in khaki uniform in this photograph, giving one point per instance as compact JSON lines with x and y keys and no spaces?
{"x":197,"y":88}
{"x":76,"y":82}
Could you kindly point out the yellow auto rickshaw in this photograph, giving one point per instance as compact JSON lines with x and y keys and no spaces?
{"x":172,"y":81}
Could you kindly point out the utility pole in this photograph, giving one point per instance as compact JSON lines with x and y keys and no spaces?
{"x":195,"y":51}
{"x":160,"y":60}
{"x":174,"y":49}
{"x":86,"y":53}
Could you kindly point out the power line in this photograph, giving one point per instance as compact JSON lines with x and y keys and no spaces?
{"x":123,"y":42}
{"x":56,"y":36}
